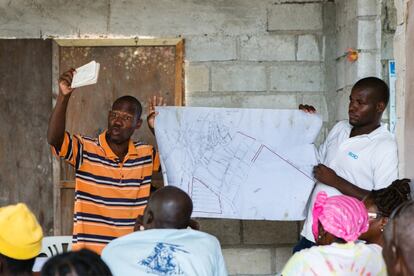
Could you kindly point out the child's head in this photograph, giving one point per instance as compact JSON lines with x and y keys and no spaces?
{"x":83,"y":262}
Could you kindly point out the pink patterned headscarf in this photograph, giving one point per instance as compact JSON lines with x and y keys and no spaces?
{"x":343,"y":216}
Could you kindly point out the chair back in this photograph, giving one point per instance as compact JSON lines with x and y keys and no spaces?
{"x":55,"y":245}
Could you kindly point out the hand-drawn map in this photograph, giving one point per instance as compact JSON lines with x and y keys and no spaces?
{"x":239,"y":163}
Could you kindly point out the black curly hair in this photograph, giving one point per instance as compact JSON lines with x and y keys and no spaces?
{"x":389,"y":198}
{"x":83,"y":262}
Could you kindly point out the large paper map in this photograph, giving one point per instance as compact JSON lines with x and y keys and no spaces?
{"x":239,"y":163}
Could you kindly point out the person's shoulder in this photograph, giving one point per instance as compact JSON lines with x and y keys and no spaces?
{"x":88,"y":138}
{"x":142,"y":145}
{"x":384,"y":134}
{"x":341,"y":125}
{"x":368,"y":249}
{"x":373,"y":247}
{"x":202,"y":236}
{"x":384,"y":139}
{"x":121,"y":242}
{"x":338,"y":128}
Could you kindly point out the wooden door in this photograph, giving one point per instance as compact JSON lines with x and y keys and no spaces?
{"x":126,"y":68}
{"x":25,"y":105}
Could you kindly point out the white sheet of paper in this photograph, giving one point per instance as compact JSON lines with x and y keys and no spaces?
{"x":239,"y":163}
{"x":86,"y":74}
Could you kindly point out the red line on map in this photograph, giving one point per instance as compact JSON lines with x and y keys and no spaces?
{"x":244,"y":134}
{"x":257,"y":154}
{"x":218,"y":197}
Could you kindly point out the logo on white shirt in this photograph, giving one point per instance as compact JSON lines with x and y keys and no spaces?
{"x":353,"y":155}
{"x":163,"y":261}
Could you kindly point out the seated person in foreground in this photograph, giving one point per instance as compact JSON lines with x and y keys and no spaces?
{"x":338,"y":221}
{"x":399,"y":241}
{"x":20,"y":240}
{"x":165,"y":246}
{"x":380,"y":204}
{"x":83,"y":262}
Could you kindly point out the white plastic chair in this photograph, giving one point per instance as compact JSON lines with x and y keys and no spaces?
{"x":55,"y":245}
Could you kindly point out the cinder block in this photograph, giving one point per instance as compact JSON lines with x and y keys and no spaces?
{"x":343,"y":103}
{"x":293,"y":17}
{"x":346,"y":11}
{"x":180,"y":17}
{"x":210,"y":48}
{"x":29,"y":20}
{"x":196,"y":78}
{"x":368,"y":65}
{"x":248,"y":261}
{"x":227,"y":231}
{"x":368,"y":34}
{"x":273,"y":101}
{"x":340,"y":73}
{"x":239,"y":78}
{"x":387,"y":46}
{"x":351,"y":72}
{"x":347,"y":37}
{"x":230,"y":101}
{"x":300,"y":77}
{"x":243,"y":100}
{"x":389,"y":15}
{"x":269,"y":47}
{"x":308,"y":48}
{"x":319,"y":102}
{"x":283,"y":254}
{"x":401,"y":11}
{"x":368,"y":7}
{"x":297,"y":1}
{"x":270,"y":232}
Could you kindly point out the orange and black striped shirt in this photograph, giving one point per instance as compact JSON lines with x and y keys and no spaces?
{"x":109,"y":194}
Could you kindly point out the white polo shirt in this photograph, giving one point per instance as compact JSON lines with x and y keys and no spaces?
{"x":369,"y":161}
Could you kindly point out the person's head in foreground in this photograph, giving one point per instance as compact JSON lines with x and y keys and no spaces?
{"x":368,"y":100}
{"x":83,"y":262}
{"x":380,"y":204}
{"x":399,"y":241}
{"x":168,"y":207}
{"x":338,"y":221}
{"x":20,"y":240}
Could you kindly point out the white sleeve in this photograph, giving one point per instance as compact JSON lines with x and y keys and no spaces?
{"x":385,"y":165}
{"x":324,"y":146}
{"x":322,"y":151}
{"x":221,"y":265}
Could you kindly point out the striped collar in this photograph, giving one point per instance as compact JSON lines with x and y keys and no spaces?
{"x":132,"y":150}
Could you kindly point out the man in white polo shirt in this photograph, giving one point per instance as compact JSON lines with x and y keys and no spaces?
{"x":359,"y":154}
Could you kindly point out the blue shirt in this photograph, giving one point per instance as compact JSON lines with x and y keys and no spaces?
{"x":165,"y":252}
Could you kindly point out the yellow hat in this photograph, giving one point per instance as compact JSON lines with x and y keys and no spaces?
{"x":20,"y":233}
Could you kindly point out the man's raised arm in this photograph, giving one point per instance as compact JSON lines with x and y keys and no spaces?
{"x":57,"y":121}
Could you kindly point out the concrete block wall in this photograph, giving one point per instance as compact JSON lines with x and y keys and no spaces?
{"x":389,"y":25}
{"x":240,"y":53}
{"x":358,"y":25}
{"x":401,"y":56}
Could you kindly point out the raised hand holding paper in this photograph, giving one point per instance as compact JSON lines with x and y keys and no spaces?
{"x":86,"y":74}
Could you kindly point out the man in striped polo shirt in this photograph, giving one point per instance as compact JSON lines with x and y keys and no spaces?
{"x":113,"y":173}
